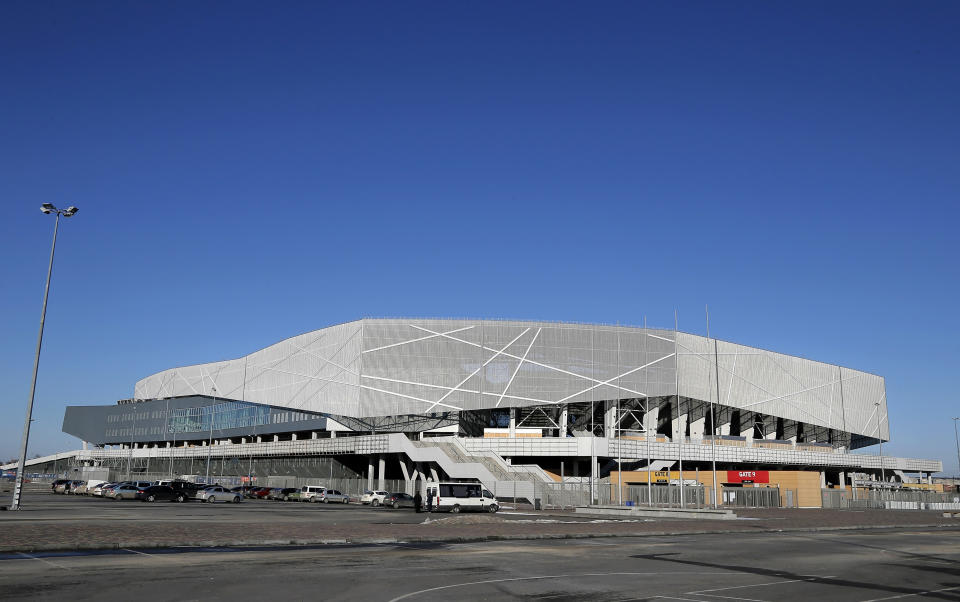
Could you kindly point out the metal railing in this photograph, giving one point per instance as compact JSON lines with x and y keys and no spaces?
{"x":859,"y":499}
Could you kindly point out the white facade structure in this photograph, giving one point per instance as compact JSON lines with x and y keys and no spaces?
{"x":505,"y":402}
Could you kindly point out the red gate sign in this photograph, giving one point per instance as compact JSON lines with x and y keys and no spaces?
{"x":748,"y":476}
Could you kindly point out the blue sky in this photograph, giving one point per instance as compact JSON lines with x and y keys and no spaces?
{"x":248,"y":172}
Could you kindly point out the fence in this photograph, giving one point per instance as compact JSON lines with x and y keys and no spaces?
{"x":758,"y":497}
{"x":890,"y":500}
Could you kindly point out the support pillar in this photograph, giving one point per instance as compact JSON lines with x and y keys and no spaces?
{"x":381,"y":473}
{"x":513,"y":422}
{"x":843,"y":479}
{"x":293,"y":437}
{"x":370,"y":472}
{"x":651,"y":420}
{"x":562,"y":422}
{"x":679,"y":426}
{"x":697,"y":427}
{"x":610,"y":419}
{"x":823,"y":480}
{"x":407,"y":482}
{"x":333,"y":434}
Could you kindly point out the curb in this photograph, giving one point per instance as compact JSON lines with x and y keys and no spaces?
{"x":449,"y":539}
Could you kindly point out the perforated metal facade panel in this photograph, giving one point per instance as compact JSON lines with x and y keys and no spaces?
{"x":380,"y":367}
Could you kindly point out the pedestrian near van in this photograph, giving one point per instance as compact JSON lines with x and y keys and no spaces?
{"x":418,"y":502}
{"x":430,"y":495}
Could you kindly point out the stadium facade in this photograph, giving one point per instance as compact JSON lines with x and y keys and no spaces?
{"x":500,"y":401}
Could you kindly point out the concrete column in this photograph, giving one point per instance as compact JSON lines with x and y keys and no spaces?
{"x":276,"y":438}
{"x":407,"y":481}
{"x":929,"y":478}
{"x":562,"y":422}
{"x":723,"y":424}
{"x":369,"y":472}
{"x":610,"y":419}
{"x":697,"y":427}
{"x":381,"y":472}
{"x":259,"y":439}
{"x":843,"y":479}
{"x":84,"y":447}
{"x":313,"y":434}
{"x":333,"y":434}
{"x":651,"y":420}
{"x":823,"y":480}
{"x":680,"y":426}
{"x":433,"y":474}
{"x":293,"y":437}
{"x":513,"y":422}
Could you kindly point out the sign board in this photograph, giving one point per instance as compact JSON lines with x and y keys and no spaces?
{"x":661,"y":476}
{"x":748,"y":476}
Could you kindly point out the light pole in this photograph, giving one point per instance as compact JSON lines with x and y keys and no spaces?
{"x":22,"y":462}
{"x":883,"y":472}
{"x":957,"y":439}
{"x":213,"y":411}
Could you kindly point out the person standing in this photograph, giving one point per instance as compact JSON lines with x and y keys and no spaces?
{"x":418,"y":502}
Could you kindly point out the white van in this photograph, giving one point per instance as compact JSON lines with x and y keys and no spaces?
{"x":308,"y":492}
{"x":460,"y":497}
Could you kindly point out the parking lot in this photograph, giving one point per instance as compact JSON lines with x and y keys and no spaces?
{"x":845,"y":566}
{"x":43,"y":504}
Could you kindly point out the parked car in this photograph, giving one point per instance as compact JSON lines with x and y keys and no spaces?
{"x":97,"y":489}
{"x":188,"y":489}
{"x":296,"y":497}
{"x":331,"y":495}
{"x":109,"y":490}
{"x":374,"y":498}
{"x":126,"y":492}
{"x":218,"y":493}
{"x":398,"y":500}
{"x":281,"y":493}
{"x":58,"y":485}
{"x":308,"y":493}
{"x":261,"y":492}
{"x":162,"y":493}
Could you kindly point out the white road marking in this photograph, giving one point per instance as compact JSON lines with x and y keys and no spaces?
{"x":721,"y":589}
{"x":932,"y":591}
{"x":59,"y":566}
{"x":568,"y":575}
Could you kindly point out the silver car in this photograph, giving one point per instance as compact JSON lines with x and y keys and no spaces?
{"x":126,"y":492}
{"x":331,"y":496}
{"x":219,"y":494}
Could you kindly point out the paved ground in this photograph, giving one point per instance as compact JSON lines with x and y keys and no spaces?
{"x":758,"y":567}
{"x":56,"y":522}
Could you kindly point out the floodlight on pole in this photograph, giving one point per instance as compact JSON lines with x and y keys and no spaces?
{"x":22,"y":460}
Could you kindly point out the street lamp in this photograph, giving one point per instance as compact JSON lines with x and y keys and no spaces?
{"x":213,"y":411}
{"x":957,"y":439}
{"x":22,"y":462}
{"x":883,"y":472}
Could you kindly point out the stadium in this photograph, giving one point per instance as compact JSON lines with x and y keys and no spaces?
{"x":527,"y":408}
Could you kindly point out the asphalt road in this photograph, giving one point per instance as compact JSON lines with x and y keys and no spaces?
{"x":844,"y":566}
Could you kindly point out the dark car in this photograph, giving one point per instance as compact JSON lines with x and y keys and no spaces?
{"x":162,"y":493}
{"x":281,"y":493}
{"x":398,"y":500}
{"x":188,"y":489}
